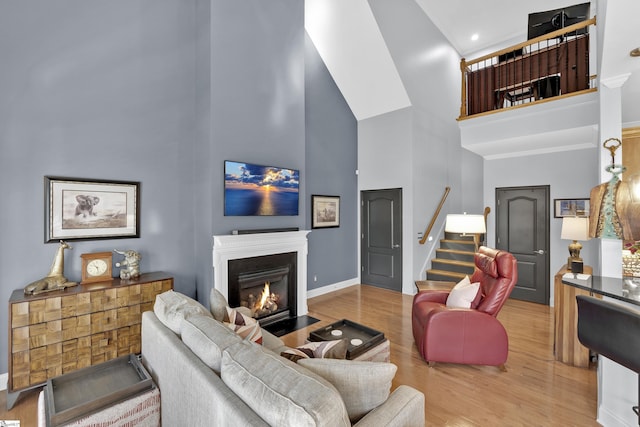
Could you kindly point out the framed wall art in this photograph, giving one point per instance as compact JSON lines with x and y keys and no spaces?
{"x":325,"y":211}
{"x":571,"y":207}
{"x":88,"y":209}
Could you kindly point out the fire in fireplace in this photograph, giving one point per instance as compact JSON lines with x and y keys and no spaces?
{"x":265,"y":284}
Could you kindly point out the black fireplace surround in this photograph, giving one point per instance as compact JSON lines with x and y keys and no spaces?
{"x":246,"y":283}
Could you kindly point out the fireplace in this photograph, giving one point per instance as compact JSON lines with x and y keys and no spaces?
{"x":264,"y":284}
{"x":287,"y":276}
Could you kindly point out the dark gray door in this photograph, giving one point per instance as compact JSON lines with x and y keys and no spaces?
{"x":522,"y":228}
{"x":381,"y":248}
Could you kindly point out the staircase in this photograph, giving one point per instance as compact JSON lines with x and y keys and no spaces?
{"x":454,"y":258}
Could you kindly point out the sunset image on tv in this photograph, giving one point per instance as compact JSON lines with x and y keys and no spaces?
{"x":260,"y":190}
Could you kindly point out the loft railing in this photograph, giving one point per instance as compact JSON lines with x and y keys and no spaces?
{"x":552,"y":65}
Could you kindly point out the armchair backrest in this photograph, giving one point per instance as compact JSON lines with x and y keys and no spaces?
{"x":497,"y":272}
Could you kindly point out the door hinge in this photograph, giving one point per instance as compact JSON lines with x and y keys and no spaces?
{"x":362,"y":268}
{"x":498,"y":240}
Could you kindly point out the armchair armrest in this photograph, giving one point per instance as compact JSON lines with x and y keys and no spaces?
{"x":431,"y":296}
{"x":466,"y":336}
{"x":403,"y":408}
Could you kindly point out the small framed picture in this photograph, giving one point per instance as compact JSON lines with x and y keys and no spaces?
{"x":571,"y":207}
{"x":88,"y":209}
{"x":325,"y":211}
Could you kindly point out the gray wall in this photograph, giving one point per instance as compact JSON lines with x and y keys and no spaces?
{"x":432,"y":159}
{"x":331,"y":163}
{"x":250,"y":80}
{"x":96,"y":90}
{"x":161,"y":92}
{"x":552,"y":170}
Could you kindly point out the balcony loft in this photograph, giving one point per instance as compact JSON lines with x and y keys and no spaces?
{"x":531,"y":98}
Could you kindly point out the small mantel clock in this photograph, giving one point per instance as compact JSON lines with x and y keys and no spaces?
{"x":96,"y":267}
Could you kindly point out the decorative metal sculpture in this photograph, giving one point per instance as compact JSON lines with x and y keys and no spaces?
{"x":130,"y":265}
{"x":55,"y":280}
{"x":610,"y":202}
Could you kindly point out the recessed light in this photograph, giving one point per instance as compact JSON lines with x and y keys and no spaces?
{"x":475,"y":37}
{"x":635,"y":52}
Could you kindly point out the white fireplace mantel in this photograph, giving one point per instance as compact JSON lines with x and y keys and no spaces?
{"x":237,"y":246}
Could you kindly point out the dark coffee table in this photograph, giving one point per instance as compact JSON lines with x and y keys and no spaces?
{"x":361,"y":338}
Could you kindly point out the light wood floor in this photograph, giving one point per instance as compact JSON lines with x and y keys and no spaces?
{"x":535,"y":391}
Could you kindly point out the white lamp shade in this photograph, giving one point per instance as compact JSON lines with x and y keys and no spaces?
{"x":575,"y":228}
{"x":472,"y":224}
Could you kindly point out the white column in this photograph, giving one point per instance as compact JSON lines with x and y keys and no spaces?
{"x":617,"y":386}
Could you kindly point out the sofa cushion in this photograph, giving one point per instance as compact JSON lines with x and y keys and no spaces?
{"x":172,"y":307}
{"x":362,"y":385}
{"x":335,"y":349}
{"x":217,"y":304}
{"x":463,"y":294}
{"x":279,"y":391}
{"x":207,"y":338}
{"x":243,"y":325}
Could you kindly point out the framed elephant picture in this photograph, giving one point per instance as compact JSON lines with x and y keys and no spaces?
{"x":89,"y":209}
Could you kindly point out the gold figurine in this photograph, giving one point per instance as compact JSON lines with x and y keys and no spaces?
{"x":55,"y":280}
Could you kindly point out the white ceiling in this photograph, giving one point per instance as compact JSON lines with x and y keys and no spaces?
{"x":497,"y":22}
{"x":500,"y":23}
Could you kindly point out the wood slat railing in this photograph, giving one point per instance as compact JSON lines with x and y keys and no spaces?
{"x":554,"y":64}
{"x":435,"y":216}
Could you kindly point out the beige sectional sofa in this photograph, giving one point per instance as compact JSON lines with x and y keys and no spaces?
{"x":209,"y":375}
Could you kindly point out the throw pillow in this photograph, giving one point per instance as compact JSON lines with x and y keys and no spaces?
{"x":279,"y":391}
{"x":218,"y":304}
{"x":334,"y":349}
{"x":172,"y":307}
{"x":463,"y":294}
{"x":243,"y":325}
{"x":363,"y":386}
{"x":207,"y":338}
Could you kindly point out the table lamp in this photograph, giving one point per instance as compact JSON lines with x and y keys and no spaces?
{"x":575,"y":228}
{"x":465,"y":225}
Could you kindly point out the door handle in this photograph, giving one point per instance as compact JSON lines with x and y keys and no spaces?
{"x":540,"y":252}
{"x":395,"y":246}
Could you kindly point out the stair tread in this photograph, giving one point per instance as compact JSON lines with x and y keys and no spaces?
{"x":455,"y":251}
{"x":446,"y":273}
{"x":454,"y":262}
{"x":464,"y":242}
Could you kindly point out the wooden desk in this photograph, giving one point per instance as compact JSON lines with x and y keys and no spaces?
{"x":567,"y":347}
{"x":569,"y":59}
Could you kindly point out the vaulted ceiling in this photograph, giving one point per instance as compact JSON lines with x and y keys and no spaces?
{"x":348,"y":39}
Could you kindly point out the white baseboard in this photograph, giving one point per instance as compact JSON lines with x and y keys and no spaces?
{"x":609,"y":419}
{"x":4,"y":379}
{"x":330,"y":288}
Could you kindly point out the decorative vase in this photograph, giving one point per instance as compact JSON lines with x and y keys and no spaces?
{"x":630,"y":263}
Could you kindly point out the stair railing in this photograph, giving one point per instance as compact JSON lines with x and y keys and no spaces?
{"x":435,"y":216}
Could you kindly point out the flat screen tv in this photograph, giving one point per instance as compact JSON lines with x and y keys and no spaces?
{"x":251,"y":190}
{"x":541,"y":23}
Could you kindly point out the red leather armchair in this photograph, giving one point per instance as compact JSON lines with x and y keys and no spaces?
{"x":468,"y":336}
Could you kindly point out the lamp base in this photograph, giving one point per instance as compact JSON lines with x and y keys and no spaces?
{"x":574,"y":264}
{"x":577,"y":267}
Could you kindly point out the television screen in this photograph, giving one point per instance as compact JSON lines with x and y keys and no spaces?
{"x":260,"y":190}
{"x":541,"y":23}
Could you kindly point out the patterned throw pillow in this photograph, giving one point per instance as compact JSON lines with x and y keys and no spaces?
{"x":245,"y":326}
{"x":334,"y":349}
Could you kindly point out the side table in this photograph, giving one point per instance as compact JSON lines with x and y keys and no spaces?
{"x":567,"y":348}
